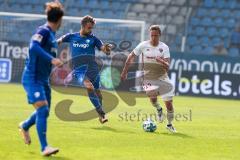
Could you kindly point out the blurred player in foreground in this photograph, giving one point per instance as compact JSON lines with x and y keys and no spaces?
{"x":82,"y":45}
{"x":35,"y":80}
{"x":155,"y":61}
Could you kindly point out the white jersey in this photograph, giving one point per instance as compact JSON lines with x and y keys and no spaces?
{"x":153,"y":69}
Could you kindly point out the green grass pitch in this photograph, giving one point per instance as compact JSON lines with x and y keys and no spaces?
{"x":208,"y":129}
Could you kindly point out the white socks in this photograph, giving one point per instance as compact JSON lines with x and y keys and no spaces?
{"x":170,"y":116}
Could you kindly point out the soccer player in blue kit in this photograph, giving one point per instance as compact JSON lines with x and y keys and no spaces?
{"x":82,"y":45}
{"x":35,"y":79}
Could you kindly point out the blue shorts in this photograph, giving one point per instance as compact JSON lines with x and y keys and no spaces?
{"x":37,"y":92}
{"x":92,"y":75}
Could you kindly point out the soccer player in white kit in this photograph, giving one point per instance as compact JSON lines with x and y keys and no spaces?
{"x":155,"y":63}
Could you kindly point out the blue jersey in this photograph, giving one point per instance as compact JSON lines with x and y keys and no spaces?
{"x":82,"y":49}
{"x":43,"y":48}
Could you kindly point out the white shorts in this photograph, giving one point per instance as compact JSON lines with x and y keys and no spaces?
{"x":162,"y":87}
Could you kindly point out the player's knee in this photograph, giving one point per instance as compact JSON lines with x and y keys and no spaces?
{"x":89,"y":86}
{"x":90,"y":89}
{"x":43,"y":112}
{"x":40,"y":104}
{"x":153,"y":99}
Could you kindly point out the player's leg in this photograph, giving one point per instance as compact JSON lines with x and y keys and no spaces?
{"x":42,"y":113}
{"x":95,"y":100}
{"x":91,"y":93}
{"x":96,"y":85}
{"x":152,"y":93}
{"x":24,"y":126}
{"x":84,"y":81}
{"x":168,"y":93}
{"x":47,"y":151}
{"x":156,"y":105}
{"x":37,"y":97}
{"x":170,"y":113}
{"x":28,"y":123}
{"x":99,"y":94}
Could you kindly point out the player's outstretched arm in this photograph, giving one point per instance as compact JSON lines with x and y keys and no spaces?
{"x":64,"y":38}
{"x":128,"y":62}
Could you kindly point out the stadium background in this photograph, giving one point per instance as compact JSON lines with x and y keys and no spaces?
{"x":203,"y":36}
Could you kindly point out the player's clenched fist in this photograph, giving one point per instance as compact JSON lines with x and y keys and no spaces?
{"x":107,"y":48}
{"x":123,"y":76}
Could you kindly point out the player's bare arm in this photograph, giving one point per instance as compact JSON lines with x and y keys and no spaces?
{"x":128,"y":62}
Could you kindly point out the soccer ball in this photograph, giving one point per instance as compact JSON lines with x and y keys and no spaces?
{"x":149,"y":125}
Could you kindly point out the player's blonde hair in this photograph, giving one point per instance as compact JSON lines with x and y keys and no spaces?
{"x":155,"y":28}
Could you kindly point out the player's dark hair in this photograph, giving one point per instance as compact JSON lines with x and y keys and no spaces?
{"x":54,"y":11}
{"x":155,"y":28}
{"x":88,"y":19}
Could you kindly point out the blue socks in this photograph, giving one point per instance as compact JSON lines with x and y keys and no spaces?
{"x":29,"y":122}
{"x":32,"y":119}
{"x":94,"y":99}
{"x":41,"y":125}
